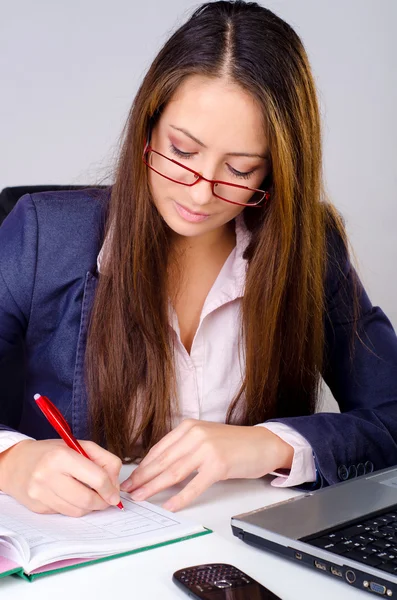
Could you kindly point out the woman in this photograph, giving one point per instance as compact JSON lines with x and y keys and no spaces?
{"x":205,"y":293}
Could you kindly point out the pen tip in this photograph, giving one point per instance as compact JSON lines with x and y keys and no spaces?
{"x":36,"y":396}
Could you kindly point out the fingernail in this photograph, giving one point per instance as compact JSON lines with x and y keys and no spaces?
{"x":114,"y":499}
{"x":126,"y":486}
{"x":169,"y":505}
{"x":138,"y":494}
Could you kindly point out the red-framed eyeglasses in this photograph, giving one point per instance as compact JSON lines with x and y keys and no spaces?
{"x":174,"y":171}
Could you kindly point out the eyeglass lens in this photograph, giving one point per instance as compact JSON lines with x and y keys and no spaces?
{"x":169,"y":169}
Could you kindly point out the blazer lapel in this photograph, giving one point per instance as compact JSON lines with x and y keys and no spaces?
{"x":79,"y":398}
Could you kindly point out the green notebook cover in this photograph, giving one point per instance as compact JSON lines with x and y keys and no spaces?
{"x":19,"y":571}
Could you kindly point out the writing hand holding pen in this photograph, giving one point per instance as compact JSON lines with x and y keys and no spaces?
{"x":61,"y":426}
{"x":47,"y":476}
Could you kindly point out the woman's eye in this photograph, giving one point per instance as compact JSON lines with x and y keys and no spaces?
{"x":179,"y":153}
{"x":240,"y":174}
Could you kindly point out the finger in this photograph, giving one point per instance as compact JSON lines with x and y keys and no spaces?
{"x":159,"y":457}
{"x":104,"y":459}
{"x":165,"y":461}
{"x":48,"y":502}
{"x":168,"y":440}
{"x":191,"y":491}
{"x":93,"y":475}
{"x":175,"y":474}
{"x":58,"y":505}
{"x":35,"y":505}
{"x":75,"y":493}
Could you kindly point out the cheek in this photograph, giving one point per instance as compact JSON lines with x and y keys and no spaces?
{"x":158,"y":187}
{"x":153,"y":183}
{"x":233,"y":211}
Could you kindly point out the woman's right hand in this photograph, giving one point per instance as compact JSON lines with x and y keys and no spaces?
{"x":48,"y":477}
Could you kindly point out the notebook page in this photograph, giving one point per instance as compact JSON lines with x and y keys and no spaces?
{"x":12,"y":546}
{"x":9,"y":551}
{"x":56,"y":537}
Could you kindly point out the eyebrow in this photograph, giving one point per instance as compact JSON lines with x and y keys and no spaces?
{"x":249,"y":154}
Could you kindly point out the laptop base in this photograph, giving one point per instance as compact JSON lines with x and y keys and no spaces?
{"x":352,"y":576}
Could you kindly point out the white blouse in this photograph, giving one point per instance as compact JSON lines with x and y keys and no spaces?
{"x":210,"y":376}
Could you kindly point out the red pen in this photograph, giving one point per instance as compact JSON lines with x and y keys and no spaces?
{"x":60,"y":425}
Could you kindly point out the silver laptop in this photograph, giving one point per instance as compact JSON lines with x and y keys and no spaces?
{"x":347,"y":531}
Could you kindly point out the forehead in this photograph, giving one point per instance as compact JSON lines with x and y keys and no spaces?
{"x":219,"y":113}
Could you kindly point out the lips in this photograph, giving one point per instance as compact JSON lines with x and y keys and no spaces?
{"x":192,"y":212}
{"x":189,"y":215}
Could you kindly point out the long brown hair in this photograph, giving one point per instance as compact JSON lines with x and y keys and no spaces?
{"x":129,"y":357}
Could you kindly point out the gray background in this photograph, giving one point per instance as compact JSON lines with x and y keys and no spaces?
{"x":69,"y":70}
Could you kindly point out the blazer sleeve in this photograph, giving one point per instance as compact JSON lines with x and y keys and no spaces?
{"x":18,"y":254}
{"x":360,"y":368}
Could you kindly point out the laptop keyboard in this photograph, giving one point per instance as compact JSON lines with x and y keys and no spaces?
{"x":372,"y":542}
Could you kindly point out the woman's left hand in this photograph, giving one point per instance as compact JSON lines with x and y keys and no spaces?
{"x":216,"y":451}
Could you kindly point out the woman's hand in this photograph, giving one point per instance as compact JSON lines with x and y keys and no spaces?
{"x":216,"y":451}
{"x":48,"y":477}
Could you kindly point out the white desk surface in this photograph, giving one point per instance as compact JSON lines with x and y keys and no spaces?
{"x":148,"y":575}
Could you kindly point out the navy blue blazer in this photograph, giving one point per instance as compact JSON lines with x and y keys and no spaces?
{"x":48,"y":251}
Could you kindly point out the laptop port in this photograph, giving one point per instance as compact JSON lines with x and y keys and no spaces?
{"x":320,"y":565}
{"x":350,"y":576}
{"x":377,"y":588}
{"x":337,"y":572}
{"x":298,"y":555}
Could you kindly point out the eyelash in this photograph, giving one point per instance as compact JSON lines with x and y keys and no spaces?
{"x":187,"y":155}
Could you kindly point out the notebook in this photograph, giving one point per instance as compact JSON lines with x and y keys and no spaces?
{"x":33,"y":545}
{"x":347,"y":531}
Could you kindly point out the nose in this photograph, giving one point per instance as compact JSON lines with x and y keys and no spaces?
{"x":201,"y":193}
